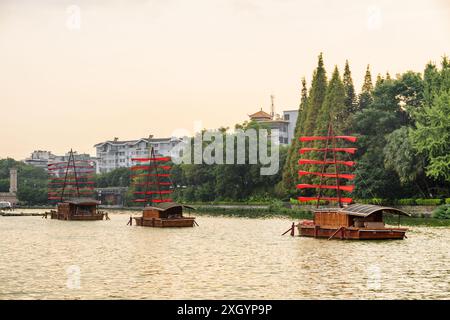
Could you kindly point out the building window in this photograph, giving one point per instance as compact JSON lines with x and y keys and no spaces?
{"x":286,"y":117}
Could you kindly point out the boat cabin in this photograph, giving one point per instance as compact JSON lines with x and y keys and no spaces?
{"x":77,"y":209}
{"x":166,"y":214}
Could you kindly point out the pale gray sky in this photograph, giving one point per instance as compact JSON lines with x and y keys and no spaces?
{"x":138,"y":67}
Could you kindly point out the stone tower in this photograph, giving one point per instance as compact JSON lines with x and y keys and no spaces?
{"x":13,"y":180}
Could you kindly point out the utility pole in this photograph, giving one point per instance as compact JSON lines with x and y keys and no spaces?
{"x":272,"y":106}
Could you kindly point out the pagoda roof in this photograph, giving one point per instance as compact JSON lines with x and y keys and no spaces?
{"x":260,"y":114}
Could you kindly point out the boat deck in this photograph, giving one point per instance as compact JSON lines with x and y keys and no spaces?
{"x":351,"y":233}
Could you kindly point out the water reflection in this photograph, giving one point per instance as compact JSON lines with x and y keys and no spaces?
{"x":224,"y":258}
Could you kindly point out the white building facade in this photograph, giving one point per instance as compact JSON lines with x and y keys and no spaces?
{"x":285,"y":124}
{"x":291,"y":117}
{"x":116,"y":154}
{"x":41,"y":158}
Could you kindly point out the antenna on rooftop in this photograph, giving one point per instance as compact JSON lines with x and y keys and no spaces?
{"x":272,"y":105}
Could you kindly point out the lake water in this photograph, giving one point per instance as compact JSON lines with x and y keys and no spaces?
{"x":223,"y":258}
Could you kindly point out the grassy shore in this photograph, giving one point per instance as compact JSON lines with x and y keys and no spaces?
{"x":296,"y":214}
{"x":271,"y":211}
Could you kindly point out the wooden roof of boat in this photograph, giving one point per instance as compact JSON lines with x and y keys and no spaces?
{"x":82,"y":201}
{"x":364,"y":210}
{"x":163,"y":206}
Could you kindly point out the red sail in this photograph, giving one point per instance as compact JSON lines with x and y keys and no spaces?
{"x":151,"y":175}
{"x":151,"y":159}
{"x":306,"y":199}
{"x":150,"y":183}
{"x":348,"y":188}
{"x":150,"y":167}
{"x":313,"y":138}
{"x":69,"y":178}
{"x":348,"y":150}
{"x":154,"y":192}
{"x":72,"y":183}
{"x":65,"y":163}
{"x":70,"y":167}
{"x":328,"y":175}
{"x":153,"y":200}
{"x":163,"y":200}
{"x":307,"y":161}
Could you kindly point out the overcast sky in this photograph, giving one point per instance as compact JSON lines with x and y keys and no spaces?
{"x":75,"y":73}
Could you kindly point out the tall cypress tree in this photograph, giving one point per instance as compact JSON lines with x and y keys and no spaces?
{"x":351,"y":99}
{"x":379,"y":80}
{"x":366,"y":97}
{"x":311,"y":106}
{"x":316,"y":97}
{"x":315,"y":101}
{"x":333,"y":108}
{"x":289,"y":178}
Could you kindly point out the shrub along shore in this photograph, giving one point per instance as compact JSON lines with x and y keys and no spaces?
{"x":278,"y":209}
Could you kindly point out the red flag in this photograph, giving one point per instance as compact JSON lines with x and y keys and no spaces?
{"x":348,"y":150}
{"x":306,"y":199}
{"x":348,"y":188}
{"x":307,"y":161}
{"x":315,"y":138}
{"x":328,"y":175}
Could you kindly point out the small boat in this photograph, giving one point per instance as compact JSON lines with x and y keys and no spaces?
{"x":353,"y":222}
{"x":71,"y":186}
{"x":347,"y":220}
{"x":78,"y":209}
{"x":152,"y":187}
{"x":162,"y":215}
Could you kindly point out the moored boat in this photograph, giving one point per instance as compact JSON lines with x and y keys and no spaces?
{"x":71,"y":186}
{"x":163,"y":215}
{"x":347,"y":220}
{"x":153,"y":187}
{"x":81,"y":209}
{"x":354,"y":222}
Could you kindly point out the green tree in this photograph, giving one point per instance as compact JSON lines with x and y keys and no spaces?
{"x":365,"y":97}
{"x":431,"y":137}
{"x":333,"y":108}
{"x":400,"y":156}
{"x":290,"y":169}
{"x":351,"y":100}
{"x":32,"y":181}
{"x":316,"y":97}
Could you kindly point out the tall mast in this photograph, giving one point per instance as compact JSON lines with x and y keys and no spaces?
{"x":150,"y":149}
{"x":75,"y":173}
{"x":323,"y":165}
{"x":336,"y":168}
{"x":330,"y":146}
{"x":156,"y":175}
{"x":65,"y":177}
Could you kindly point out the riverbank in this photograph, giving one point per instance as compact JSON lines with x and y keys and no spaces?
{"x":258,"y":211}
{"x":296,"y":214}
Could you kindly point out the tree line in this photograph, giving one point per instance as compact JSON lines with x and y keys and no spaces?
{"x":403,"y":147}
{"x":402,"y":125}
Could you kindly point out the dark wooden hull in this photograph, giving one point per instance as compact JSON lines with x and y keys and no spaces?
{"x":352,"y":233}
{"x":61,"y":216}
{"x":165,"y":222}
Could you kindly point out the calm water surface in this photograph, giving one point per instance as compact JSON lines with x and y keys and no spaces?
{"x":224,"y":258}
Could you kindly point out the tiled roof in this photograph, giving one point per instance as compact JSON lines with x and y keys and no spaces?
{"x":260,"y":114}
{"x":133,"y":142}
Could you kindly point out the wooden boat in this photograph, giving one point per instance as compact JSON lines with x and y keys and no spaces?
{"x":347,"y":220}
{"x":78,"y":209}
{"x":152,"y":187}
{"x":162,"y":215}
{"x":355,"y":222}
{"x":71,"y":186}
